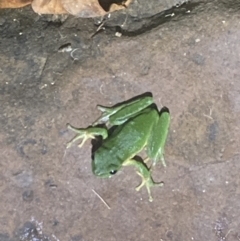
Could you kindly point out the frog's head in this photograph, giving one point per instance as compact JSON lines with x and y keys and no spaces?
{"x":103,"y":165}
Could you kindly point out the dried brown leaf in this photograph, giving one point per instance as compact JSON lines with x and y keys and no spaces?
{"x":83,"y":8}
{"x":14,"y":3}
{"x":79,"y":8}
{"x":48,"y":7}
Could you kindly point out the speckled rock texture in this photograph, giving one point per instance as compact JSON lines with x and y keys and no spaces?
{"x":54,"y":70}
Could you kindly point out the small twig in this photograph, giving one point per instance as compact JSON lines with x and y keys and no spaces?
{"x":61,"y":36}
{"x":125,"y":20}
{"x":101,"y":199}
{"x":101,"y":90}
{"x":230,"y":230}
{"x":210,"y":111}
{"x":208,"y":116}
{"x":64,"y":155}
{"x":71,"y":54}
{"x":100,"y":27}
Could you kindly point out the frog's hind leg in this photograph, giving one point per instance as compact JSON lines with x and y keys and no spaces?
{"x":119,"y":114}
{"x":86,"y":133}
{"x":145,"y":174}
{"x":158,"y":137}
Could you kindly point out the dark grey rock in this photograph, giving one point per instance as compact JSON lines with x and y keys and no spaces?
{"x":142,"y":15}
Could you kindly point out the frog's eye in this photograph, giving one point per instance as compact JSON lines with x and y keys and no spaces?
{"x":113,"y":172}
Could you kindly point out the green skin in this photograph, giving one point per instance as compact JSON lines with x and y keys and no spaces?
{"x":138,"y":125}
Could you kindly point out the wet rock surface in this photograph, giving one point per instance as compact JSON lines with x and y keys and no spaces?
{"x":55,"y":70}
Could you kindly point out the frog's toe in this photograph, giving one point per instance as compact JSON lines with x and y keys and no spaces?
{"x":85,"y":137}
{"x":77,"y":137}
{"x":143,"y":182}
{"x":159,"y":157}
{"x":148,"y":186}
{"x":163,"y":162}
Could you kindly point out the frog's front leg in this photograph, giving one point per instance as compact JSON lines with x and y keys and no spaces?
{"x":119,"y":114}
{"x":86,"y":133}
{"x":145,"y":174}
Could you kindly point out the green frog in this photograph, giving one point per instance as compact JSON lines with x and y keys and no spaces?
{"x":137,"y":125}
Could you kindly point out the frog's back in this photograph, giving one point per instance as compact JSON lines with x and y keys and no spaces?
{"x":130,"y":138}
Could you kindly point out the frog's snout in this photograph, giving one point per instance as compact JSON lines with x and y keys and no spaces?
{"x":97,"y":170}
{"x":104,"y":174}
{"x":102,"y":171}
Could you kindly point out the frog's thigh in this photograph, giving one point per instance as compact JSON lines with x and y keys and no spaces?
{"x":157,"y":139}
{"x":130,"y":109}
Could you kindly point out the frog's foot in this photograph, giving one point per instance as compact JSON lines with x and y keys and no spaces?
{"x":148,"y":182}
{"x":86,"y":133}
{"x":145,"y":174}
